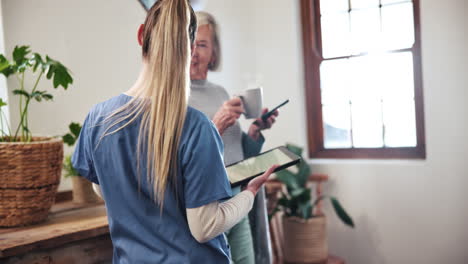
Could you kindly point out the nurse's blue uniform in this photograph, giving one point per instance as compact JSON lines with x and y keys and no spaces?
{"x":140,"y":234}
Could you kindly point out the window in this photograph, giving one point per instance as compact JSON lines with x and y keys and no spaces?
{"x":363,"y":78}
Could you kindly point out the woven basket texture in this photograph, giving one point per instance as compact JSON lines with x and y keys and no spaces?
{"x":305,"y":241}
{"x":29,"y":178}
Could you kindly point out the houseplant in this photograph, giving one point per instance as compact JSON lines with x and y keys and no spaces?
{"x":305,"y":239}
{"x":30,"y":167}
{"x":83,"y":192}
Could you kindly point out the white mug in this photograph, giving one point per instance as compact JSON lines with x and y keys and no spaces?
{"x":252,"y":100}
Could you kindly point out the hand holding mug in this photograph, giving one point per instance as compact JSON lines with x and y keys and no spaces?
{"x":228,"y":114}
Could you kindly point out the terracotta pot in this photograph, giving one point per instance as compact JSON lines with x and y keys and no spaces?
{"x":83,"y":192}
{"x":29,"y":178}
{"x":305,"y":241}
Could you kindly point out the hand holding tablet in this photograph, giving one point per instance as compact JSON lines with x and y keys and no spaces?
{"x":243,"y":171}
{"x":257,"y":182}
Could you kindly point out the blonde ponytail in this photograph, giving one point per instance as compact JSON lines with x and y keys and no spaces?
{"x":169,"y":30}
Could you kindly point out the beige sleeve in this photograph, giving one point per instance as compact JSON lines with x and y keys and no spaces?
{"x":208,"y":221}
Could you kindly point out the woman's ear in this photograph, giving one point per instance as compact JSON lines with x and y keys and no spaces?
{"x":140,"y":35}
{"x":212,"y":61}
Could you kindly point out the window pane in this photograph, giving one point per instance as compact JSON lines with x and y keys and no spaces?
{"x":386,"y":2}
{"x":335,"y":35}
{"x":400,"y":123}
{"x":367,"y":124}
{"x":365,"y":30}
{"x":397,"y":81}
{"x":333,"y":6}
{"x":398,"y":26}
{"x":364,"y":3}
{"x":365,"y":78}
{"x":335,"y":81}
{"x":336,"y":125}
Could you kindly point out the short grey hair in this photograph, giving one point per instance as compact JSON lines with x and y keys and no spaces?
{"x":205,"y":18}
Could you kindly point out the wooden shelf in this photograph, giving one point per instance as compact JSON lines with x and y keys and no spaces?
{"x":67,"y":222}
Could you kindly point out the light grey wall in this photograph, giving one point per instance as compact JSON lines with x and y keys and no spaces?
{"x":3,"y":84}
{"x":405,"y":211}
{"x":96,"y":40}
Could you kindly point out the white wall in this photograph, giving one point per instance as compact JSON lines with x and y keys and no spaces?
{"x":3,"y":85}
{"x":96,"y":40}
{"x":405,"y":211}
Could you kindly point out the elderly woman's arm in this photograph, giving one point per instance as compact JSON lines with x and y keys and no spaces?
{"x":252,"y":142}
{"x":250,"y":146}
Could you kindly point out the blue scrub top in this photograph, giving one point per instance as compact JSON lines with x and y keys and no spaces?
{"x":140,"y":234}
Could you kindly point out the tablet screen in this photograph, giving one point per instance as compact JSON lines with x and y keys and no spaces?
{"x":258,"y":165}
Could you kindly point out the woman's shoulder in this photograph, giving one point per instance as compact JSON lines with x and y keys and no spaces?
{"x":196,"y":118}
{"x":198,"y":129}
{"x":197,"y":123}
{"x":104,"y":108}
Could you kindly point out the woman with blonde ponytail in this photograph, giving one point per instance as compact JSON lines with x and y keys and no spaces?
{"x":158,"y":163}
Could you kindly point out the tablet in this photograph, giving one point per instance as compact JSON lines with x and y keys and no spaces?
{"x":243,"y":171}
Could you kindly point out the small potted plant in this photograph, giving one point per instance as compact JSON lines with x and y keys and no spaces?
{"x":30,"y":166}
{"x":305,"y":239}
{"x":83,"y":192}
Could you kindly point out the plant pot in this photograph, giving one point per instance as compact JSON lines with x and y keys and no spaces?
{"x":305,"y":241}
{"x":83,"y":192}
{"x":29,"y":178}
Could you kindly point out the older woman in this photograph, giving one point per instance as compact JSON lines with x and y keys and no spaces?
{"x":215,"y":102}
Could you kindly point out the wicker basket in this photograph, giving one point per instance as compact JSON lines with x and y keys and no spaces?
{"x":29,"y":178}
{"x":305,"y":241}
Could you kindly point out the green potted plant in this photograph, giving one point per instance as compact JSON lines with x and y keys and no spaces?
{"x":305,"y":239}
{"x":83,"y":192}
{"x":30,"y":166}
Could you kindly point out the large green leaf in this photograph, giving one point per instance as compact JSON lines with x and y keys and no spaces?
{"x":341,"y":213}
{"x":294,"y":149}
{"x":5,"y":66}
{"x":298,"y":192}
{"x":60,"y":74}
{"x":75,"y":128}
{"x":2,"y":103}
{"x":37,"y":61}
{"x":4,"y":63}
{"x":69,"y":139}
{"x":20,"y":53}
{"x":303,"y":173}
{"x":306,"y":209}
{"x":288,"y":178}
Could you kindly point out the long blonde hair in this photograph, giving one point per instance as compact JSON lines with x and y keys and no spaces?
{"x":168,"y":32}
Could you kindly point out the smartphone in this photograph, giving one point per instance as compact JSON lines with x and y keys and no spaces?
{"x":267,"y":115}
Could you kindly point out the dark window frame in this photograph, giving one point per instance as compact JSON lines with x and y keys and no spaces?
{"x":312,"y":48}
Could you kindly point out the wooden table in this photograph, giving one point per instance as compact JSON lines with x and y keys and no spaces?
{"x":71,"y":234}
